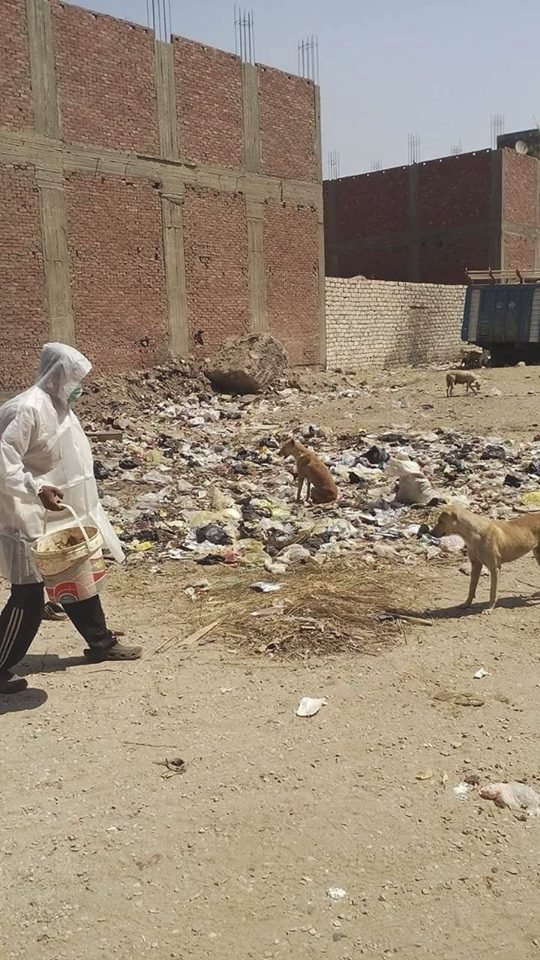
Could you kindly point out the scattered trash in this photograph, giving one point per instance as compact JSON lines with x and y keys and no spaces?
{"x":174,"y":767}
{"x":190,"y":475}
{"x":514,"y":796}
{"x":336,"y":893}
{"x":407,"y":618}
{"x":462,"y":790}
{"x":531,"y":499}
{"x":480,"y":674}
{"x":309,"y":707}
{"x":269,"y":611}
{"x":511,"y":481}
{"x":262,"y":586}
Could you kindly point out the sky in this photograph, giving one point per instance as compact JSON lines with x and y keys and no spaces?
{"x":437,"y":68}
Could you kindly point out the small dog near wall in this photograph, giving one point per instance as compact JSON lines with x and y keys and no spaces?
{"x":469,"y":379}
{"x":490,"y":543}
{"x":311,"y":470}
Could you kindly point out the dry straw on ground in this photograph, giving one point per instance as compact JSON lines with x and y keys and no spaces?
{"x":317,"y":611}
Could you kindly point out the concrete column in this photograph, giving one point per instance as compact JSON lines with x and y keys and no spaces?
{"x":318,"y":132}
{"x":256,"y":267}
{"x":175,"y":273}
{"x":251,"y":120}
{"x":43,"y":68}
{"x":414,"y":226}
{"x":166,"y":100}
{"x":496,"y":213}
{"x":49,"y":173}
{"x":56,"y":261}
{"x":322,"y":252}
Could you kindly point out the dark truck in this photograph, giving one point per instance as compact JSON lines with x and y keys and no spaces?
{"x":502,"y":315}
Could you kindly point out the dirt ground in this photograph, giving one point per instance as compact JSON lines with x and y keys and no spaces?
{"x":107,"y":853}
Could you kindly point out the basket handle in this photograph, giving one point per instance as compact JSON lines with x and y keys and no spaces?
{"x":66,"y":506}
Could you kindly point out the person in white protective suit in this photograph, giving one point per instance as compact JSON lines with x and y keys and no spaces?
{"x":45,"y":460}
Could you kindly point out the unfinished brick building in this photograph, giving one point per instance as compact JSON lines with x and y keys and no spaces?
{"x":151,"y":195}
{"x":431,"y":221}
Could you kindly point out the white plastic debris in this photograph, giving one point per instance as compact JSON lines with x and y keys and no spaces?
{"x":262,"y":586}
{"x":515,"y":796}
{"x":336,"y":893}
{"x":294,"y":554}
{"x":481,"y":673}
{"x":413,"y":485}
{"x":462,"y":790}
{"x":309,"y":706}
{"x":277,"y":568}
{"x":452,"y":543}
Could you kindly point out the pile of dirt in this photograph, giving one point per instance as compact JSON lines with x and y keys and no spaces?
{"x":131,"y":394}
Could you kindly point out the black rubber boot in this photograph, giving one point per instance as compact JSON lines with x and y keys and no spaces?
{"x":11,"y":683}
{"x":118,"y":651}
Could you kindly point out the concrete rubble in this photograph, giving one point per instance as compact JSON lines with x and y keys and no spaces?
{"x":247,"y":365}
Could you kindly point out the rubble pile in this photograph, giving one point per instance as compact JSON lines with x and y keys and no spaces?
{"x":249,"y":364}
{"x":197,"y":476}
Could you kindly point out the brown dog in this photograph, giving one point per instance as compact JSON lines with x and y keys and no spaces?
{"x":490,"y":543}
{"x":468,"y":379}
{"x":320,"y":485}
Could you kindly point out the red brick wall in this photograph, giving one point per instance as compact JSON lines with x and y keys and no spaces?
{"x":15,"y":91}
{"x":292,"y":278}
{"x":116,"y":249}
{"x":445,"y":259}
{"x":455,"y":190}
{"x":379,"y":225}
{"x":216,"y":255}
{"x":105,"y":81}
{"x":23,"y":327}
{"x":381,"y":262}
{"x":373,"y":204}
{"x":520,"y":188}
{"x":287,"y":119}
{"x":208,"y":104}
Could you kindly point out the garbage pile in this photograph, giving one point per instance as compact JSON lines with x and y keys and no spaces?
{"x":195,"y":475}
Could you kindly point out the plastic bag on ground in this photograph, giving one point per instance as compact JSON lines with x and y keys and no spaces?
{"x":514,"y":795}
{"x":413,"y":485}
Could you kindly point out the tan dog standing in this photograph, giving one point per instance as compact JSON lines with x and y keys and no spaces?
{"x":490,"y":543}
{"x":320,"y":484}
{"x":471,"y":382}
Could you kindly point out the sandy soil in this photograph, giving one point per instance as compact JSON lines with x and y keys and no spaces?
{"x":107,"y":854}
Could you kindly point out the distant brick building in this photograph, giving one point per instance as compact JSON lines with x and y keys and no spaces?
{"x":431,"y":221}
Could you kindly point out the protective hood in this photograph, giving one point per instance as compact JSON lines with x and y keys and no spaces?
{"x":62,"y":368}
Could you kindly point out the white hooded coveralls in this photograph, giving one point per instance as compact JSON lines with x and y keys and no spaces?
{"x":43,"y":444}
